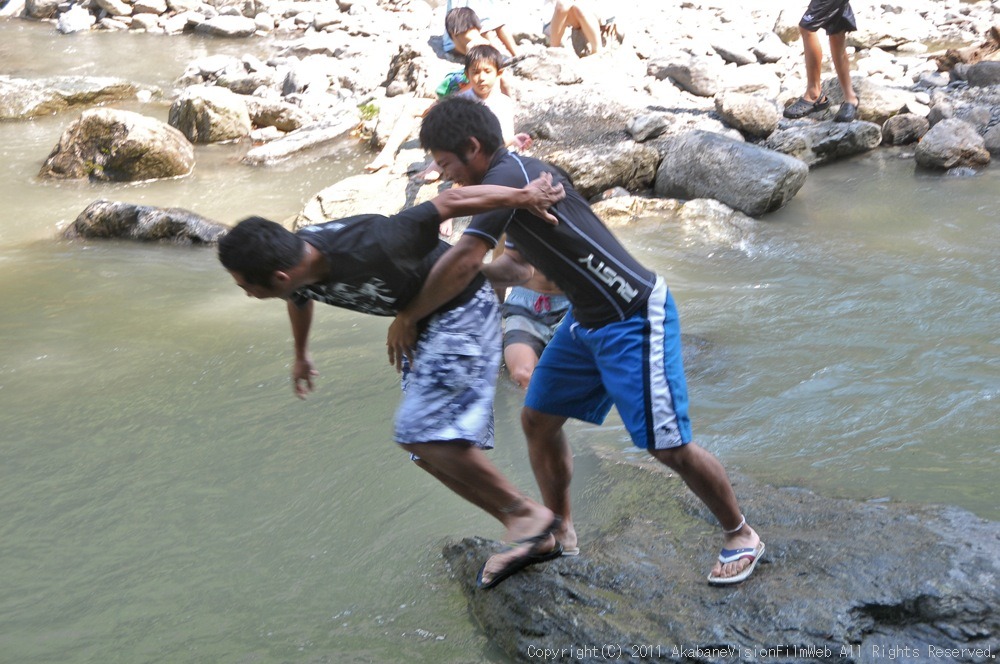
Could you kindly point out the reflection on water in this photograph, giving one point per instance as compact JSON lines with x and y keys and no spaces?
{"x":167,"y":499}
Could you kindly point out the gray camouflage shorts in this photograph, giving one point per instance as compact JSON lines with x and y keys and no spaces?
{"x":448,"y":392}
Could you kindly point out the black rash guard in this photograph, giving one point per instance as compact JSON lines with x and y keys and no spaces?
{"x":378,"y":263}
{"x":602,"y":280}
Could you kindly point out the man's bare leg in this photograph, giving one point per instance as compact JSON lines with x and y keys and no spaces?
{"x":468,"y":472}
{"x":707,"y":479}
{"x":552,"y":462}
{"x":813,"y":52}
{"x":842,"y":65}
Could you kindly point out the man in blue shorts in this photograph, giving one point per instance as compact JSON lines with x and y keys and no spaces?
{"x":619,"y":344}
{"x":375,"y":265}
{"x":837,"y":18}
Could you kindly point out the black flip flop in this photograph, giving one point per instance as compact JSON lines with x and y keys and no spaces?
{"x":532,"y":557}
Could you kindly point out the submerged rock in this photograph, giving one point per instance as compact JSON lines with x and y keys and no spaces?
{"x":839,"y":579}
{"x":22,"y":98}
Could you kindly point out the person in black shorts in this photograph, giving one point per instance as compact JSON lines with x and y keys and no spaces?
{"x":376,"y":265}
{"x":837,"y":18}
{"x":618,"y":346}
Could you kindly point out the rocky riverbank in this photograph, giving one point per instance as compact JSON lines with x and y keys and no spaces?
{"x":689,"y":78}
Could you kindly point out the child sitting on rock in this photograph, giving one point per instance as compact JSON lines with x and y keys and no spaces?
{"x":483,"y":69}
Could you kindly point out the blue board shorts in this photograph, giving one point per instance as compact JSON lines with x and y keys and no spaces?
{"x":834,"y":16}
{"x":634,"y":365}
{"x":448,"y":392}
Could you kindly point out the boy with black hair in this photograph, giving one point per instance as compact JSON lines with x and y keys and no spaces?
{"x":376,"y":265}
{"x":619,"y":344}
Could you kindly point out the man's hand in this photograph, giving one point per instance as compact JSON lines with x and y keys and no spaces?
{"x":401,"y":341}
{"x":303,"y":372}
{"x":542,"y":195}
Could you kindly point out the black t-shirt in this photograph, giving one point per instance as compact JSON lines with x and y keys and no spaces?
{"x":378,"y":263}
{"x":602,"y":280}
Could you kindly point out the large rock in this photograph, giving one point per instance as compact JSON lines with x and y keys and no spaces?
{"x":75,"y":19}
{"x":877,"y":102}
{"x":25,"y":98}
{"x":107,"y":144}
{"x":984,"y":73}
{"x":904,"y":128}
{"x":952,"y":143}
{"x":210,"y":114}
{"x":596,"y":168}
{"x":841,"y":581}
{"x":112,"y":219}
{"x":752,"y":115}
{"x":746,"y":177}
{"x":228,"y":26}
{"x":818,"y":143}
{"x":699,"y":76}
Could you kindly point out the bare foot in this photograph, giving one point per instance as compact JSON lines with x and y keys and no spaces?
{"x":566,"y":535}
{"x":377,"y":165}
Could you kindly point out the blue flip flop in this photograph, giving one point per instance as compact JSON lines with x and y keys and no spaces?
{"x":731,"y":556}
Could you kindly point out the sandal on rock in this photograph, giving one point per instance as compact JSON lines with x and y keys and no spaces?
{"x":803,"y":107}
{"x":731,"y":556}
{"x":848,"y":112}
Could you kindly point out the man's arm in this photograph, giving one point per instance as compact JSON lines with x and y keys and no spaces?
{"x":455,"y":270}
{"x":508,"y":269}
{"x":303,"y":370}
{"x":536,"y":197}
{"x":459,"y":265}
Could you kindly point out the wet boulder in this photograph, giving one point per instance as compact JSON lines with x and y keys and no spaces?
{"x":119,"y":146}
{"x":746,"y":177}
{"x":952,"y":143}
{"x":22,"y":98}
{"x":818,"y":143}
{"x":838,"y":581}
{"x":210,"y":114}
{"x":112,"y":219}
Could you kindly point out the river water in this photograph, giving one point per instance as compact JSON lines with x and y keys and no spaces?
{"x":164,"y":498}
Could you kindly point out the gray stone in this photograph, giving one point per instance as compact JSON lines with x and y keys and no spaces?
{"x":104,"y":219}
{"x":952,"y":143}
{"x":698,"y":76}
{"x":228,"y":26}
{"x":115,"y":7}
{"x":120,"y":146}
{"x":25,"y":98}
{"x":594,"y":168}
{"x":41,"y":9}
{"x":984,"y":73}
{"x":818,"y":143}
{"x":210,"y":114}
{"x":752,"y":115}
{"x":746,"y":177}
{"x":904,"y":128}
{"x":833,"y":579}
{"x":991,"y":141}
{"x":646,"y":126}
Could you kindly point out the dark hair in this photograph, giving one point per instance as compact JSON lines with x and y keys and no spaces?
{"x":483,"y":53}
{"x":460,"y":20}
{"x":451,"y":122}
{"x":257,"y":248}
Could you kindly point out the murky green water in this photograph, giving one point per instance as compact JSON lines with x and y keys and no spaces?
{"x":165,"y":498}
